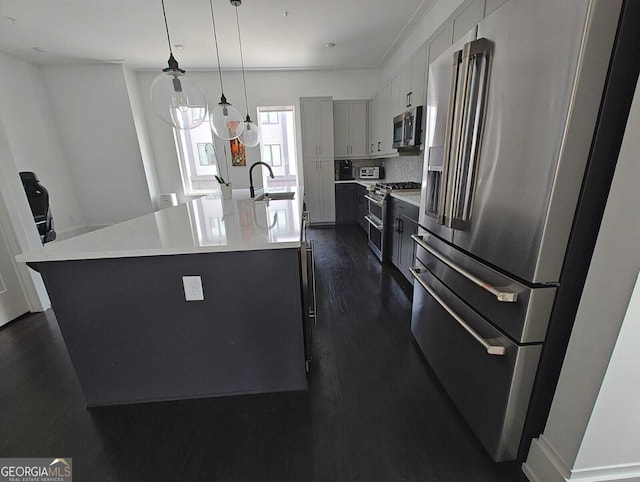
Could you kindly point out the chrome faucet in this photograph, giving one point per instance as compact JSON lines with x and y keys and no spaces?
{"x":251,"y":189}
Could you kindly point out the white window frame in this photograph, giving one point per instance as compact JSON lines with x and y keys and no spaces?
{"x":189,"y":162}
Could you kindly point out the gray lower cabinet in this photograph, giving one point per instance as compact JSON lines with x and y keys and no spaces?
{"x":362,"y":207}
{"x":401,"y":224}
{"x":132,"y":337}
{"x":346,"y":203}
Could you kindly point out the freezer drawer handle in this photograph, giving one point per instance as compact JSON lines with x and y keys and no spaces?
{"x":491,"y":349}
{"x":504,"y":296}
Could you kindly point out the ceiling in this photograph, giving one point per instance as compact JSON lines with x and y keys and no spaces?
{"x":132,"y":31}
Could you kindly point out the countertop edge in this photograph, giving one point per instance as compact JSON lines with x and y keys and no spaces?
{"x":26,"y":258}
{"x":409,"y":200}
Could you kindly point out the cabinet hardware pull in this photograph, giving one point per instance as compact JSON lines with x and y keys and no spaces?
{"x":504,"y":296}
{"x":491,"y":349}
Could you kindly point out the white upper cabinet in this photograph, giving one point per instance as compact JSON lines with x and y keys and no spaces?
{"x":468,"y":18}
{"x":374,"y":114}
{"x":408,"y":87}
{"x":341,"y":139}
{"x":358,"y":123}
{"x":317,"y":127}
{"x":417,"y":86}
{"x":440,"y":42}
{"x":350,"y":126}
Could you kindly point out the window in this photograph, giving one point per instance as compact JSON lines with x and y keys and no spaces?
{"x":269,"y":117}
{"x":273,"y":155}
{"x":198,"y":160}
{"x":204,"y":155}
{"x":278,"y":147}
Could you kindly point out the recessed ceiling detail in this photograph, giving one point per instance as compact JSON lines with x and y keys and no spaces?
{"x":77,"y":30}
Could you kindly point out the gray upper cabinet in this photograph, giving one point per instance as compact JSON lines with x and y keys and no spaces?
{"x":468,"y":18}
{"x":317,"y":127}
{"x":350,"y":125}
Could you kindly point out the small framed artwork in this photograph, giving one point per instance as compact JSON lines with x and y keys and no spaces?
{"x":238,"y":153}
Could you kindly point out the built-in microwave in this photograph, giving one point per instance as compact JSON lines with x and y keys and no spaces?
{"x":407,"y":129}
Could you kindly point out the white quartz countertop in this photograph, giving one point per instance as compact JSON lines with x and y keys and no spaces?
{"x":205,"y":225}
{"x":411,"y":197}
{"x":362,"y":182}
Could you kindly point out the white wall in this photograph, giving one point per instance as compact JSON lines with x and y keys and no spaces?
{"x":17,"y":224}
{"x":570,"y":441}
{"x":93,"y":113}
{"x":33,"y":138}
{"x":142,"y":131}
{"x":265,"y":88}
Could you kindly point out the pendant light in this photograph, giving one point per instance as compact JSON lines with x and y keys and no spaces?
{"x":225,"y":119}
{"x":178,"y":100}
{"x":250,"y":136}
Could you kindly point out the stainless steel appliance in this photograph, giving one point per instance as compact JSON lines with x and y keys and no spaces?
{"x":512,"y":109}
{"x":308,"y":280}
{"x":377,"y":212}
{"x":371,"y":172}
{"x":344,"y":170}
{"x":407,"y":129}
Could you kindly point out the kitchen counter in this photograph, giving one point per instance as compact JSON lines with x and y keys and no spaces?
{"x":362,"y":182}
{"x":120,"y":298}
{"x":205,"y":225}
{"x":411,"y":197}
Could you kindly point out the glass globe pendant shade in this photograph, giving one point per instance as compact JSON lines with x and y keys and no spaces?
{"x":178,"y":100}
{"x":250,"y":136}
{"x":226,"y":120}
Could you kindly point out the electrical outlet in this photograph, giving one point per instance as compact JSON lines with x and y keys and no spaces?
{"x":193,"y":288}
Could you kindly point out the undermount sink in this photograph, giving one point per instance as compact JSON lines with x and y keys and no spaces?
{"x":275,"y":196}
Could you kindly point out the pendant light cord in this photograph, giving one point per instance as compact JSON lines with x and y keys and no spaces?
{"x":215,"y":39}
{"x":246,"y":103}
{"x":166,"y":26}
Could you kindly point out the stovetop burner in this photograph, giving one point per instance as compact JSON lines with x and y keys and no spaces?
{"x":391,"y":186}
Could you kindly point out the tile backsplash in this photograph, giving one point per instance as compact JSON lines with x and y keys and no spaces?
{"x":404,"y":168}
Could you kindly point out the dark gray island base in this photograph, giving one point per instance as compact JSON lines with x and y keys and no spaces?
{"x":132,"y":337}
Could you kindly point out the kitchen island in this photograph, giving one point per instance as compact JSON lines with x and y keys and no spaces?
{"x":119,"y":299}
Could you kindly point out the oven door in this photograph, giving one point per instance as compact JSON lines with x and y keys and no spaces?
{"x":376,"y":235}
{"x":377,"y":212}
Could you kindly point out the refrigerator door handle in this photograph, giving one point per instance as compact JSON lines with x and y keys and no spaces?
{"x":491,"y":349}
{"x":449,"y":134}
{"x":475,"y":77}
{"x":503,"y":296}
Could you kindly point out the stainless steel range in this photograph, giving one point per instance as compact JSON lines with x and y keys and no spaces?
{"x":377,"y":212}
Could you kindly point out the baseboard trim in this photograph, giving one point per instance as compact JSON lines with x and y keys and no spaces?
{"x":545,"y":465}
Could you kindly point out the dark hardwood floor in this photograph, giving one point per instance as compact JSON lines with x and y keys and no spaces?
{"x":374,"y":411}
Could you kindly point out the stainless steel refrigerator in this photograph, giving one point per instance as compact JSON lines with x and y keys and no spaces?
{"x":511,"y":112}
